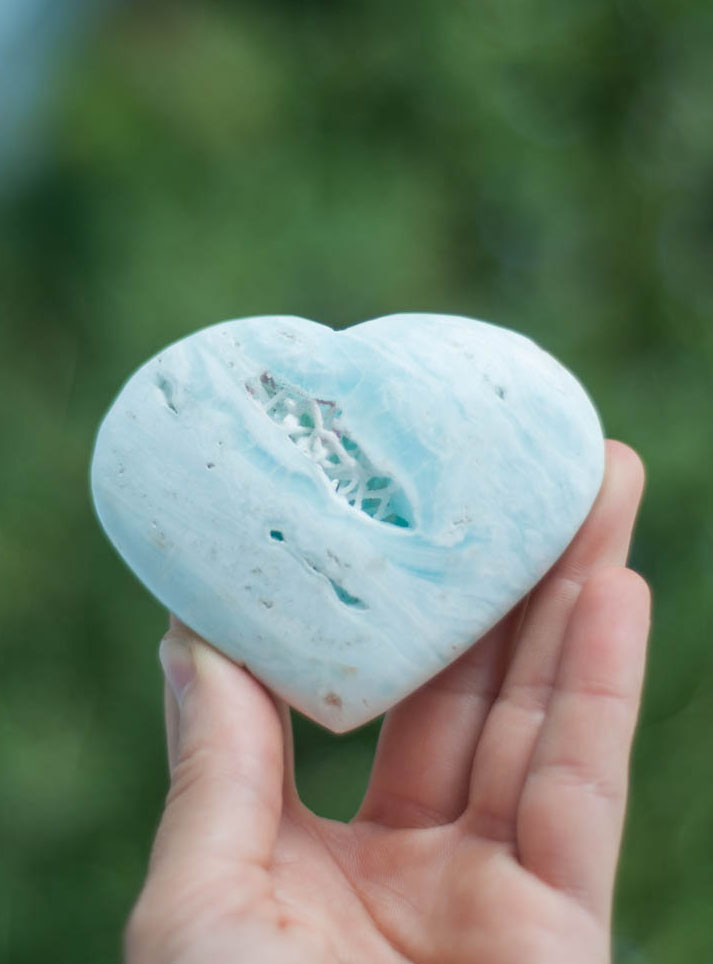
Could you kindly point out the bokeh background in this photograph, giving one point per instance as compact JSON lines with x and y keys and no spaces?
{"x":545,"y":164}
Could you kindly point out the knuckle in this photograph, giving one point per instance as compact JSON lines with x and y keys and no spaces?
{"x":189,"y":771}
{"x":607,"y":579}
{"x":641,"y":583}
{"x":576,"y":774}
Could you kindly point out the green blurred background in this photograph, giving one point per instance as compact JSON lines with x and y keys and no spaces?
{"x":545,"y":164}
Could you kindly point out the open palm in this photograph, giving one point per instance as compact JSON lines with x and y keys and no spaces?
{"x":491,"y":826}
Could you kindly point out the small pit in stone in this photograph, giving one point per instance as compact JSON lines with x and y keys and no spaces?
{"x":166,"y":389}
{"x":345,"y":597}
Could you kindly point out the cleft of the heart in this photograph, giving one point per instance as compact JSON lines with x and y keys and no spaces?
{"x":346,"y":512}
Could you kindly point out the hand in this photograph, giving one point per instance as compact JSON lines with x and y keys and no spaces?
{"x":491,"y":827}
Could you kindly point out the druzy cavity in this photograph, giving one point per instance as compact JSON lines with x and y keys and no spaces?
{"x":313,"y":425}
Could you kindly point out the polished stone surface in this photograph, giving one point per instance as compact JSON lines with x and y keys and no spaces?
{"x":346,"y":512}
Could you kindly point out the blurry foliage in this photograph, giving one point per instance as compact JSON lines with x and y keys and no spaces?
{"x":543,"y":164}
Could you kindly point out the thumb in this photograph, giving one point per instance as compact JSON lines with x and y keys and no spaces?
{"x":226,"y":755}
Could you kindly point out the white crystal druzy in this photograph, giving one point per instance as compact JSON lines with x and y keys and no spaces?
{"x":346,"y":512}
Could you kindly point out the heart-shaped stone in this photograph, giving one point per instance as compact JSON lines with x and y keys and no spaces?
{"x":346,"y":512}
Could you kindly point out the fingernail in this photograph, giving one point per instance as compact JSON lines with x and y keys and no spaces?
{"x":176,"y":658}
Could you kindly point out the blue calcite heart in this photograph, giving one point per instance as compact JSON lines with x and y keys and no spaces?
{"x":346,"y":512}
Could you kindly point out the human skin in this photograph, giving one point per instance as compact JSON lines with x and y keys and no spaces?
{"x":491,"y":827}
